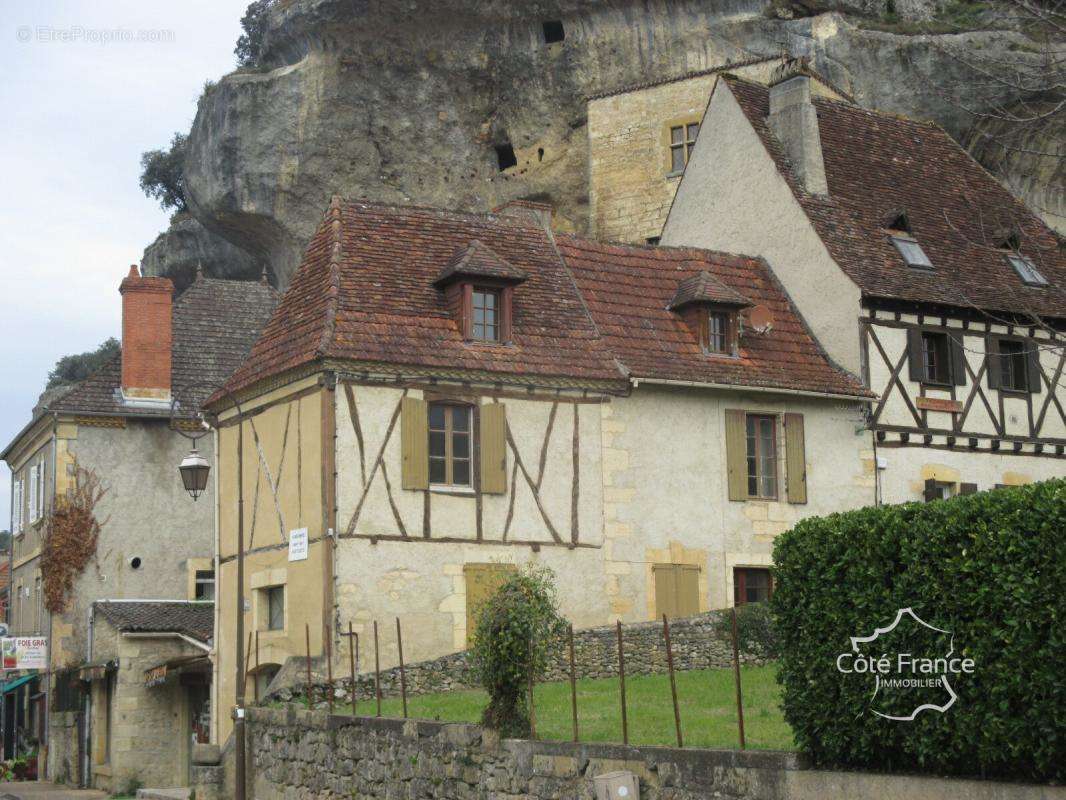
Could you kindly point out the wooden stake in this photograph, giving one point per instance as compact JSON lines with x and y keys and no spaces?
{"x":329,"y":665}
{"x":622,"y":684}
{"x":573,"y":680}
{"x":247,"y":657}
{"x":532,"y":710}
{"x":403,"y":677}
{"x":257,"y":667}
{"x":673,"y":683}
{"x":351,"y":662}
{"x":736,"y":674}
{"x":307,"y":638}
{"x":377,"y":668}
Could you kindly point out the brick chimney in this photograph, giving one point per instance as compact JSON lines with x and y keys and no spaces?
{"x":146,"y":338}
{"x":794,"y":122}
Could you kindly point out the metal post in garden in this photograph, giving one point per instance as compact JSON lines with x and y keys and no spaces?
{"x":329,"y":666}
{"x":351,"y":661}
{"x":532,"y":710}
{"x":256,"y":683}
{"x":403,"y":676}
{"x":377,"y":668}
{"x":736,"y":675}
{"x":573,"y":679}
{"x":622,"y":684}
{"x":673,"y":682}
{"x":307,"y":639}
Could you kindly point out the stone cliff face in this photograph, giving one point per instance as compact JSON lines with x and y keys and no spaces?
{"x":422,"y":101}
{"x":187,"y":245}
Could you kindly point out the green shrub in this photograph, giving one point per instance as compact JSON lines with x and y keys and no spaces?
{"x":755,"y":629}
{"x":512,"y":639}
{"x":991,"y":569}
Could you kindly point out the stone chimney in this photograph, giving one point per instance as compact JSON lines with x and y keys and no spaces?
{"x":794,"y":122}
{"x":146,"y":338}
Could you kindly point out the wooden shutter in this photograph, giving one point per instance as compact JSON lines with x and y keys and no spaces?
{"x":736,"y":454}
{"x":795,"y":459}
{"x":915,"y":367}
{"x":958,"y":358}
{"x":665,"y":590}
{"x":414,"y":443}
{"x":493,"y":444}
{"x":995,"y":369}
{"x":688,"y":590}
{"x":967,"y":488}
{"x":677,"y":590}
{"x":1032,"y":366}
{"x":482,"y":582}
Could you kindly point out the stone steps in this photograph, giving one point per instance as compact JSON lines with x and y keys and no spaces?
{"x":163,"y":794}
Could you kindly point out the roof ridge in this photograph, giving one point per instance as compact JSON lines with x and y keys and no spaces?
{"x":334,"y":287}
{"x":449,"y":212}
{"x":698,"y":73}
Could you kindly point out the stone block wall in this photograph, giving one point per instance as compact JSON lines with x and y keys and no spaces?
{"x":695,"y":641}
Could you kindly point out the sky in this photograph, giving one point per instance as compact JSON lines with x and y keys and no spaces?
{"x":87,"y":87}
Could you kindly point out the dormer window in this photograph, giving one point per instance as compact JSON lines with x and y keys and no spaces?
{"x":478,"y":289}
{"x":712,"y":310}
{"x":902,"y":237}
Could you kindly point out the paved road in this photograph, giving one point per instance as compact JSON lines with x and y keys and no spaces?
{"x":34,"y":790}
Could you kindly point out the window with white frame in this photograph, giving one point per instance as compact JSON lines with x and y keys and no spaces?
{"x":16,"y":505}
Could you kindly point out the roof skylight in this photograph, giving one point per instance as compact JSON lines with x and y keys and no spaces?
{"x":911,"y":251}
{"x":1026,"y":270}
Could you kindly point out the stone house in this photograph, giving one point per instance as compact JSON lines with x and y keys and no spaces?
{"x":130,"y":423}
{"x":441,"y":398}
{"x":913,"y":266}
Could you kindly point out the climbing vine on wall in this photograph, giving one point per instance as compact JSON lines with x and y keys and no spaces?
{"x":70,"y":537}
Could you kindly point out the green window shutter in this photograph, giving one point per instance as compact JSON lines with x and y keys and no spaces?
{"x":967,"y":488}
{"x":665,"y":577}
{"x":795,"y":459}
{"x":736,"y":454}
{"x":1032,"y":355}
{"x":688,"y":590}
{"x":915,"y":367}
{"x":414,"y":443}
{"x":995,"y":368}
{"x":958,"y":358}
{"x":493,"y":436}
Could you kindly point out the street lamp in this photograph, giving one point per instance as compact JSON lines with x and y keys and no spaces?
{"x":194,"y":470}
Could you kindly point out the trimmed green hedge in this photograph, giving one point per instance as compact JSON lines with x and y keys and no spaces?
{"x":991,"y":569}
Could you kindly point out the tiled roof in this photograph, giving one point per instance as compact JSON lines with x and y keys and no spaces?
{"x":879,"y":165}
{"x":161,"y":616}
{"x":475,"y":260}
{"x":628,"y":289}
{"x":703,"y":287}
{"x":364,"y":293}
{"x":215,"y":324}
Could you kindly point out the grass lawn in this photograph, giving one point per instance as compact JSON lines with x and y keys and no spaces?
{"x":707,"y":699}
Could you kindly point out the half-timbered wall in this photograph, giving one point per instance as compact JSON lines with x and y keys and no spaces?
{"x":967,"y":432}
{"x":405,"y":552}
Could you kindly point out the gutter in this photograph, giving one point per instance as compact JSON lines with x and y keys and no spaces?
{"x":761,"y":389}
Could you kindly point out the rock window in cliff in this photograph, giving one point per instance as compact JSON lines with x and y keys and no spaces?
{"x":553,"y":31}
{"x":505,"y":156}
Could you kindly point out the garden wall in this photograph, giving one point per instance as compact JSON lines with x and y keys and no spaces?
{"x":313,"y":756}
{"x":695,"y":640}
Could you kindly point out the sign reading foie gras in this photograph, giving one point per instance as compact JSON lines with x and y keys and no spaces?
{"x":29,"y":652}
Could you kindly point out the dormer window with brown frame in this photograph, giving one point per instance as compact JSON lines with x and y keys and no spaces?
{"x":479,"y":289}
{"x":712,"y":311}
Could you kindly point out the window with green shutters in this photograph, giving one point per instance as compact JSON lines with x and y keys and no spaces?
{"x":448,"y":443}
{"x":752,"y":456}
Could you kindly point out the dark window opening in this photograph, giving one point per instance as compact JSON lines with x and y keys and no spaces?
{"x":486,"y":307}
{"x":505,"y":156}
{"x":762,"y":456}
{"x":718,"y":332}
{"x":752,"y":585}
{"x":540,"y":154}
{"x":936,"y":360}
{"x":652,"y":240}
{"x":553,"y":31}
{"x":449,"y":444}
{"x":205,"y":584}
{"x":275,"y":608}
{"x":1013,"y":366}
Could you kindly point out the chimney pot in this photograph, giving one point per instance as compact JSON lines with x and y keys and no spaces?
{"x":147,"y":339}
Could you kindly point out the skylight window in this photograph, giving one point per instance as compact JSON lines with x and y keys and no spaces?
{"x":912,"y":252}
{"x":1026,"y":270}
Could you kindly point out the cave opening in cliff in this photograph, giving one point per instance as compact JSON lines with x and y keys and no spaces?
{"x":505,"y":156}
{"x":554,"y":31}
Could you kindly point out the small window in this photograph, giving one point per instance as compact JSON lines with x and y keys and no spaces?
{"x":275,"y":608}
{"x":449,"y":444}
{"x":1013,"y":366}
{"x":505,"y":156}
{"x":205,"y":584}
{"x":486,"y":309}
{"x":912,"y":252}
{"x":718,"y":332}
{"x":752,"y":585}
{"x":653,"y":241}
{"x":939,"y":490}
{"x":682,"y":140}
{"x":762,"y":456}
{"x":1026,"y":270}
{"x":936,"y":359}
{"x":553,"y":31}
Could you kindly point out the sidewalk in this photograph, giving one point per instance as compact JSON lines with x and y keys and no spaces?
{"x":35,"y":790}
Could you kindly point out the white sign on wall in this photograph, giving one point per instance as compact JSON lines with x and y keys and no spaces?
{"x":298,"y":545}
{"x":25,"y":653}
